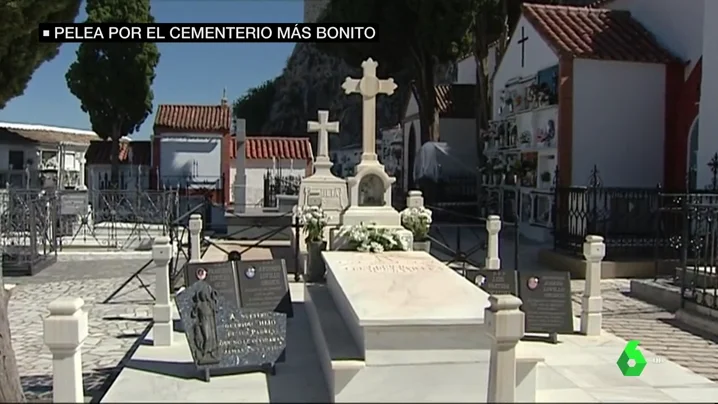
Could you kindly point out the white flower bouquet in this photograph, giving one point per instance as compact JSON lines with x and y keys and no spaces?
{"x":375,"y":239}
{"x":418,"y":221}
{"x":314,"y":220}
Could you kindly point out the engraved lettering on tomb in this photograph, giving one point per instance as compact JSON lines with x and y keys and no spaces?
{"x":392,"y":265}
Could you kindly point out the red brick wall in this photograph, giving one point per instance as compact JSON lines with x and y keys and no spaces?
{"x":683,"y":97}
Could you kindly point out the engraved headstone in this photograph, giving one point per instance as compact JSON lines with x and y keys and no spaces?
{"x":251,"y":285}
{"x":263,"y":286}
{"x":224,"y":338}
{"x":546,"y":297}
{"x":495,"y":282}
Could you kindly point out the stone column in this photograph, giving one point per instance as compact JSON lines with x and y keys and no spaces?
{"x":415,"y":200}
{"x":195,"y":237}
{"x":592,"y":303}
{"x":505,"y":327}
{"x":82,"y":176}
{"x":162,"y":312}
{"x":65,"y":329}
{"x":493,"y":227}
{"x":240,"y":175}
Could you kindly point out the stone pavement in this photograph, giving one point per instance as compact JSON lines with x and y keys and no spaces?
{"x":113,"y":327}
{"x":577,"y":369}
{"x":655,"y":327}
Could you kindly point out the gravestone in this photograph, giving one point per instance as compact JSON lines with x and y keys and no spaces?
{"x":263,"y":286}
{"x":370,"y":189}
{"x":323,"y":188}
{"x":250,"y":285}
{"x":225,"y":338}
{"x":496,"y":282}
{"x":546,"y":297}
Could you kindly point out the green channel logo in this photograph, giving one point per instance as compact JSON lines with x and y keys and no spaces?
{"x":631,"y":362}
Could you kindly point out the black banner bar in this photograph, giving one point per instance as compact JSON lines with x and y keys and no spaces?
{"x":51,"y":32}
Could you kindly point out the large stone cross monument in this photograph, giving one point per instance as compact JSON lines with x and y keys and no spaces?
{"x":331,"y":189}
{"x":370,"y":187}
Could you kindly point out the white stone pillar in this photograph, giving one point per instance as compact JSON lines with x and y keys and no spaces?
{"x":493,"y":227}
{"x":162,"y":312}
{"x":415,"y":200}
{"x":82,"y":173}
{"x":65,"y":329}
{"x":195,"y":237}
{"x":505,"y":325}
{"x":592,"y":303}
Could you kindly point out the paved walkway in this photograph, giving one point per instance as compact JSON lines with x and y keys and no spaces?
{"x":115,"y":327}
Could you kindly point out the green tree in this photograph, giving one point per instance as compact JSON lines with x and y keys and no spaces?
{"x":416,"y":34}
{"x":20,"y":52}
{"x":255,"y":105}
{"x":20,"y":55}
{"x":113,"y":81}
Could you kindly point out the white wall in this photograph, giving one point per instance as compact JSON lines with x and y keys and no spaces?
{"x":466,"y":71}
{"x":618,"y":122}
{"x":538,"y":56}
{"x":677,"y":24}
{"x":256,"y":169}
{"x":133,"y":175}
{"x":708,"y":124}
{"x":185,"y":155}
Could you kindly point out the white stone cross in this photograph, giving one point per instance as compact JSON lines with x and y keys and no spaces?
{"x":369,"y":86}
{"x":324,"y":128}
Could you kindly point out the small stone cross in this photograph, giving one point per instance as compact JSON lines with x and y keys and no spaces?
{"x":369,"y":86}
{"x":323,"y":127}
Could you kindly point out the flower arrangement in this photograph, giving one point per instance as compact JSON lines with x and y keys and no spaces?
{"x":418,"y":221}
{"x":314,"y":220}
{"x":369,"y":238}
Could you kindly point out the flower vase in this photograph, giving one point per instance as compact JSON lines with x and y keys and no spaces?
{"x":315,"y":263}
{"x":424,"y":246}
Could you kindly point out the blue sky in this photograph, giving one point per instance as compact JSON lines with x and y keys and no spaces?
{"x":187,"y":73}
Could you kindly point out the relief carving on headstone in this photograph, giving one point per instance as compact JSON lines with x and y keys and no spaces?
{"x":371,"y":191}
{"x":205,"y":329}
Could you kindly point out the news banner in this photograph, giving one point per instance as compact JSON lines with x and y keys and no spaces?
{"x":50,"y":32}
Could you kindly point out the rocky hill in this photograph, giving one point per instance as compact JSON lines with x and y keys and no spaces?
{"x":311,"y":81}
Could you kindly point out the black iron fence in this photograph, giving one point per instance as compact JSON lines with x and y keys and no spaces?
{"x":27,"y":230}
{"x":455,"y":197}
{"x":278,"y":184}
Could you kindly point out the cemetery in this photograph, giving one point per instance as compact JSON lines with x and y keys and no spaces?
{"x":377,"y":317}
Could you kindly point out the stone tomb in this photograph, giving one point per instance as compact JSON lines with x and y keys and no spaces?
{"x":402,"y":323}
{"x":253,"y":285}
{"x":224,"y":339}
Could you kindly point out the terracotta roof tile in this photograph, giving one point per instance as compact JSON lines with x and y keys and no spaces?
{"x":591,"y":33}
{"x":281,"y":148}
{"x":140,"y":151}
{"x":194,"y":118}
